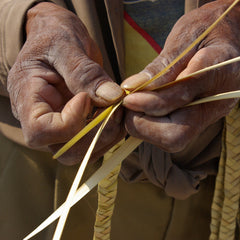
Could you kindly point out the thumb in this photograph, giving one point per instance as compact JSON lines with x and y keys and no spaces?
{"x":82,"y":74}
{"x":152,"y":70}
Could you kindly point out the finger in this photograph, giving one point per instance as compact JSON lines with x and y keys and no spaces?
{"x":69,"y":49}
{"x":112,"y":133}
{"x":82,"y":74}
{"x":42,"y":126}
{"x":159,"y":103}
{"x":178,"y":40}
{"x":168,"y":99}
{"x":185,"y":31}
{"x":176,"y":131}
{"x":137,"y":80}
{"x":86,"y":75}
{"x":170,"y":133}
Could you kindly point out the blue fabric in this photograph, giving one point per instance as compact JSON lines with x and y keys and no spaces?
{"x":156,"y":18}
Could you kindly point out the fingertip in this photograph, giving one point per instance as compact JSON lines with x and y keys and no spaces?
{"x":84,"y":102}
{"x":77,"y":108}
{"x":109,"y":91}
{"x":135,"y":81}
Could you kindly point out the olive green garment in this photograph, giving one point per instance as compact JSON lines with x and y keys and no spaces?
{"x":32,"y":185}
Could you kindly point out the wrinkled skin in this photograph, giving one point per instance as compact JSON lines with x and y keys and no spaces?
{"x":158,"y":116}
{"x":57,"y":80}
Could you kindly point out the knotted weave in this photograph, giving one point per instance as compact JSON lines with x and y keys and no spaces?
{"x":107,"y":191}
{"x":225,"y":206}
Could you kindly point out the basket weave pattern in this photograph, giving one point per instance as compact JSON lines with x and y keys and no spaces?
{"x":225,"y":207}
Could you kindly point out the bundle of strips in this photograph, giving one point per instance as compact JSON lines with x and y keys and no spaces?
{"x":107,"y":192}
{"x":225,"y":206}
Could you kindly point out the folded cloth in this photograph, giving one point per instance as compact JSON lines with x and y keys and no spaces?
{"x":179,"y":174}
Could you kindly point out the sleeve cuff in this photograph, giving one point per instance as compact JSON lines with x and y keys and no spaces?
{"x":13,"y":32}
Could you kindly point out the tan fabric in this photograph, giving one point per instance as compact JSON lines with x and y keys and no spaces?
{"x":192,"y":4}
{"x":12,"y":17}
{"x":32,"y":184}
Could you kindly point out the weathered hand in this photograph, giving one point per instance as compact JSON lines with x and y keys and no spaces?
{"x":157,"y":116}
{"x":57,"y":80}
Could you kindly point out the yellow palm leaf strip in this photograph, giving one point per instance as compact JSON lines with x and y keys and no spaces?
{"x":216,"y":208}
{"x":106,"y":112}
{"x":225,"y":207}
{"x":204,"y":70}
{"x":84,"y":131}
{"x":107,"y":191}
{"x":195,"y":42}
{"x":151,"y":80}
{"x":118,"y":156}
{"x":73,"y":189}
{"x":220,"y":96}
{"x":107,"y":188}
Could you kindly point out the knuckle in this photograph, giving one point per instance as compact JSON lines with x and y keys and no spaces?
{"x":174,"y":146}
{"x":175,"y":140}
{"x":185,"y":93}
{"x":169,"y":137}
{"x":156,"y":110}
{"x":131,"y":125}
{"x":89,"y":73}
{"x":91,"y":70}
{"x":157,"y":64}
{"x":132,"y":130}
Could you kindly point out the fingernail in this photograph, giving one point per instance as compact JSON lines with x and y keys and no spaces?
{"x":136,"y":80}
{"x":109,"y":91}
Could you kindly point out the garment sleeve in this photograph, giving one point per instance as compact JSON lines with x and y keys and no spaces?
{"x":178,"y":174}
{"x":12,"y":21}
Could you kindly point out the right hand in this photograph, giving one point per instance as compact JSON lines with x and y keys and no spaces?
{"x":56,"y":81}
{"x":159,"y":117}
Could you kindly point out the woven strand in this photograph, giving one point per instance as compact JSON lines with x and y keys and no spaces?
{"x":107,"y":192}
{"x":225,"y":207}
{"x":218,"y":193}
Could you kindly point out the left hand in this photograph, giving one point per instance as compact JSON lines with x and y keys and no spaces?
{"x":159,"y":116}
{"x":56,"y":82}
